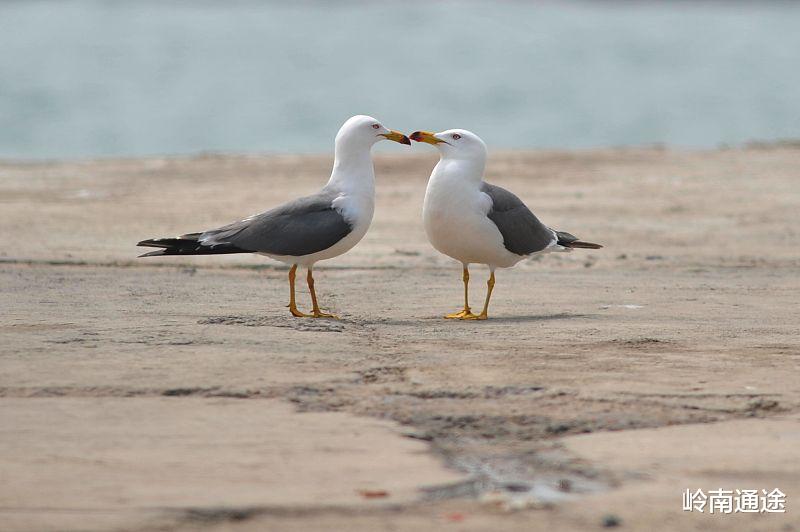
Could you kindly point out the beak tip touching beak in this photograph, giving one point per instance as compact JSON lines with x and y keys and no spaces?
{"x":397,"y":137}
{"x":425,"y":136}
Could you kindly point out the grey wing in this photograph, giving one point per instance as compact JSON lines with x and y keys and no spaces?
{"x":301,"y":227}
{"x":522,"y":231}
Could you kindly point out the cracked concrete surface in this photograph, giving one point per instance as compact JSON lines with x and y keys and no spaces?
{"x":181,"y":395}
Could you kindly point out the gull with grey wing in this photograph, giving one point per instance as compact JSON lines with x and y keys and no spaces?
{"x":307,"y":230}
{"x":478,"y":223}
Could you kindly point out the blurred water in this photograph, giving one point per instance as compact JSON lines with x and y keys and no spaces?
{"x":103,"y":78}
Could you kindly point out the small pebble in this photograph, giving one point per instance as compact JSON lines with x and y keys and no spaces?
{"x":611,"y":520}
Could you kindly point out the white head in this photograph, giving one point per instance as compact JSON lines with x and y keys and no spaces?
{"x":455,"y":144}
{"x":360,"y":132}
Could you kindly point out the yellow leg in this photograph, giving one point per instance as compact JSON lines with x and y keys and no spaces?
{"x":317,"y":313}
{"x":292,"y":303}
{"x":485,"y":312}
{"x":467,"y":312}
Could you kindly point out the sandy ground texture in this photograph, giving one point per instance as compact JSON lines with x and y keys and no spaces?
{"x":179,"y":394}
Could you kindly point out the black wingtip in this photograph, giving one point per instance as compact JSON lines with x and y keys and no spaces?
{"x":582,"y":245}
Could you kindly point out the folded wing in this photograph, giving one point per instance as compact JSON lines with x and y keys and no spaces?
{"x":301,"y":227}
{"x":522,"y":231}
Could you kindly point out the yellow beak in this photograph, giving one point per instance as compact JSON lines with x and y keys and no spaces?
{"x":396,"y":136}
{"x":426,"y":136}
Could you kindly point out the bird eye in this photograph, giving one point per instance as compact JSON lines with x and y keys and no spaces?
{"x":375,"y":126}
{"x":456,"y":136}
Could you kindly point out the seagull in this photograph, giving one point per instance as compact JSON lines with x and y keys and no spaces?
{"x":309,"y":229}
{"x":474,"y":222}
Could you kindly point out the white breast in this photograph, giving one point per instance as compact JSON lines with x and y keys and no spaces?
{"x":454,"y":215}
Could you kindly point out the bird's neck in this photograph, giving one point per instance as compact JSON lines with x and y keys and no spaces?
{"x":465,"y":171}
{"x":353,"y":172}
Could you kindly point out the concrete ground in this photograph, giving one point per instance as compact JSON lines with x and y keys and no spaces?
{"x":179,"y":394}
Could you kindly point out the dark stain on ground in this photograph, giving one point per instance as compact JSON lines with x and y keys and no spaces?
{"x":298,"y":324}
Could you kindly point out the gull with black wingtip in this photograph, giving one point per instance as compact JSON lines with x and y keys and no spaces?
{"x":307,"y":230}
{"x":474,"y":222}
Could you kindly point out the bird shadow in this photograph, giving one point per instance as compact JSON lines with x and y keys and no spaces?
{"x":492,"y":319}
{"x":285,"y":322}
{"x":536,"y":317}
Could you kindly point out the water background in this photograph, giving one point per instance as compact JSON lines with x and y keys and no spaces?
{"x":81,"y":78}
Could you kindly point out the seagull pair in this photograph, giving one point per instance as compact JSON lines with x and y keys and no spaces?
{"x":465,"y":217}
